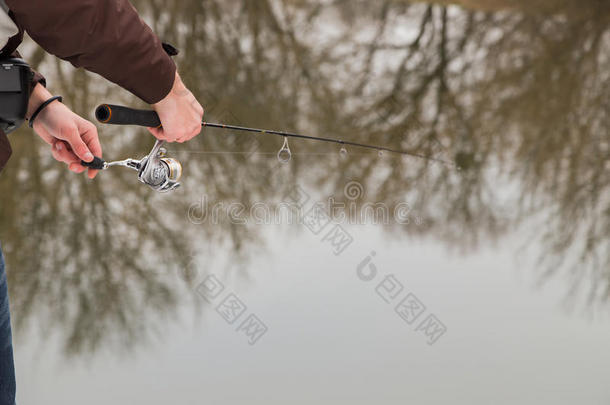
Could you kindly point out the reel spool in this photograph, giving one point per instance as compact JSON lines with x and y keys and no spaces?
{"x":159,"y":172}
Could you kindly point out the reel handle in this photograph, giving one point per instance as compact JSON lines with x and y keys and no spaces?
{"x":96,"y":164}
{"x":119,"y":115}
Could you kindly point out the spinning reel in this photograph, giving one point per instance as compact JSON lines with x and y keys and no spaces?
{"x":155,"y":170}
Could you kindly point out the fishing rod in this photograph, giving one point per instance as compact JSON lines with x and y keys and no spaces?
{"x":162,"y":173}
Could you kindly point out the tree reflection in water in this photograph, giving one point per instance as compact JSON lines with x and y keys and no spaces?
{"x":516,"y":97}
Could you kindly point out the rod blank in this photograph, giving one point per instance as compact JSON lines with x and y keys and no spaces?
{"x":119,"y":115}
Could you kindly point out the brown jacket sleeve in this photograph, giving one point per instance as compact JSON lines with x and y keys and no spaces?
{"x":10,"y":49}
{"x":104,"y":36}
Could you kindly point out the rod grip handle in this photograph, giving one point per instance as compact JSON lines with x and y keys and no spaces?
{"x":119,"y":115}
{"x":97,"y":164}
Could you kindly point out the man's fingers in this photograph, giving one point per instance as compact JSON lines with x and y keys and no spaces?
{"x":44,"y":134}
{"x":56,"y":152}
{"x":77,"y":168}
{"x":90,"y":136}
{"x":191,"y":133}
{"x":188,"y":133}
{"x":78,"y":145}
{"x":92,"y":173}
{"x":156,"y":132}
{"x":62,"y":153}
{"x":88,"y":133}
{"x":161,"y":134}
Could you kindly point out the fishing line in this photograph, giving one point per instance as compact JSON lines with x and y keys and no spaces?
{"x":341,"y":142}
{"x":218,"y":152}
{"x":163,"y":173}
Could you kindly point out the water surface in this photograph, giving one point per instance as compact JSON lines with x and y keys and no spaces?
{"x":505,"y":248}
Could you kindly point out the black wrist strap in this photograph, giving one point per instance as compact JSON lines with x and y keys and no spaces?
{"x":42,"y":107}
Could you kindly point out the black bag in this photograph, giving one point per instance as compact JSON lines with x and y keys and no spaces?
{"x":15,"y":79}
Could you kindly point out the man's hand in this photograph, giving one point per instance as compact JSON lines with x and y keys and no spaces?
{"x":180,"y":115}
{"x":71,"y":137}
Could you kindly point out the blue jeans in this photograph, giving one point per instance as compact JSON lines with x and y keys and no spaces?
{"x":7,"y":367}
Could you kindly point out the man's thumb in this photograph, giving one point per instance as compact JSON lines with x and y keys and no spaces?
{"x":78,"y":146}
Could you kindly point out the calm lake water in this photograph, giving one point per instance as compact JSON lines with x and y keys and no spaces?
{"x":335,"y":279}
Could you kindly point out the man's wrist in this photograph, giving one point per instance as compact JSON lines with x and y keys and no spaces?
{"x":42,"y":107}
{"x":178,"y":89}
{"x":39,"y":96}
